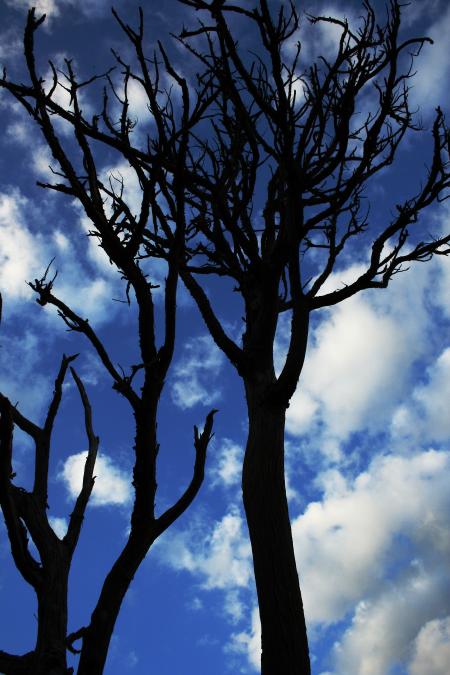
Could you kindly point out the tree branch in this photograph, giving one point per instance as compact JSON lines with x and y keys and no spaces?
{"x":43,"y":438}
{"x":25,"y":563}
{"x":228,"y":346}
{"x":74,"y":322}
{"x":201,"y":442}
{"x":77,"y":516}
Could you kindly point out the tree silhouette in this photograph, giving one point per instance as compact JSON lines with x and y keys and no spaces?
{"x":119,"y":234}
{"x":263,"y":133}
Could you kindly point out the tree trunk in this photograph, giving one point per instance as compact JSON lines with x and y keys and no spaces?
{"x":284,"y":639}
{"x":50,"y":651}
{"x":97,"y":636}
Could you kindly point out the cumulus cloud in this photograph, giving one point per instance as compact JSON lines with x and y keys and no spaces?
{"x":351,"y":534}
{"x":382,"y":631}
{"x":352,"y":359}
{"x":355,"y":353}
{"x":112,"y":484}
{"x":385,"y":536}
{"x":373,"y":548}
{"x":220,"y":558}
{"x":432,"y":649}
{"x":194,"y":374}
{"x":359,"y":361}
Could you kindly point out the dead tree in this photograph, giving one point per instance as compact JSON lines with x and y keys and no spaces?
{"x":119,"y":233}
{"x":26,"y":512}
{"x":292,"y":141}
{"x":269,"y":133}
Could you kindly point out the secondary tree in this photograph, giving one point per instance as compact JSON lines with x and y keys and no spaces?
{"x":119,"y":234}
{"x":270,"y":182}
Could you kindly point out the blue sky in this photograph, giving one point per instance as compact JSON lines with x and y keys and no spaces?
{"x":368,"y":430}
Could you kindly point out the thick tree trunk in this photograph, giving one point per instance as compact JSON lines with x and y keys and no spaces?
{"x":50,"y":651}
{"x":284,"y":639}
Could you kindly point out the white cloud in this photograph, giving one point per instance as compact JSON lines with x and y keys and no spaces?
{"x":382,"y":631}
{"x":138,"y":110}
{"x":248,"y":643}
{"x":92,"y":370}
{"x":219,"y":557}
{"x":61,"y":93}
{"x":22,"y":253}
{"x":432,"y":649}
{"x":359,"y":361}
{"x":112,"y":485}
{"x":193,"y":375}
{"x":352,"y":534}
{"x":92,"y":298}
{"x":228,"y":466}
{"x":327,"y":35}
{"x":355,"y":365}
{"x":121,"y":178}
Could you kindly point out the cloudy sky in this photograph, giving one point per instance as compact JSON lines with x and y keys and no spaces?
{"x":368,"y":430}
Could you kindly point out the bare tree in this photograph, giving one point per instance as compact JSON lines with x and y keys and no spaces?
{"x":26,"y":512}
{"x":269,"y":133}
{"x":294,"y":142}
{"x":119,"y":234}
